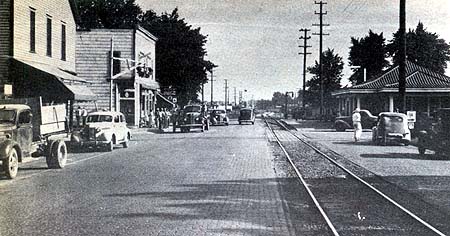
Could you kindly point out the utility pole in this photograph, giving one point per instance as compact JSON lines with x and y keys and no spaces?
{"x":235,"y":96}
{"x":305,"y":46}
{"x":402,"y":57}
{"x":226,"y":91}
{"x":321,"y":34}
{"x":212,"y":86}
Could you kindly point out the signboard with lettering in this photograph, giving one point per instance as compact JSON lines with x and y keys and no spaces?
{"x":411,"y":115}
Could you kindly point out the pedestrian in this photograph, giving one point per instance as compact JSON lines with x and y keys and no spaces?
{"x":157,"y":118}
{"x":78,"y":114}
{"x":84,"y":114}
{"x":356,"y":119}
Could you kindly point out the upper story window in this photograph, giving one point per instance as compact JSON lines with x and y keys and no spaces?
{"x":32,"y":30}
{"x":63,"y":41}
{"x":116,"y":63}
{"x":49,"y":36}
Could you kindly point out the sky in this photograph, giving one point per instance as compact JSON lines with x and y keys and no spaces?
{"x":255,"y":42}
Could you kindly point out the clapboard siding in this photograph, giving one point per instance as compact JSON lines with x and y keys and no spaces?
{"x":4,"y":39}
{"x":92,"y":59}
{"x":60,"y":13}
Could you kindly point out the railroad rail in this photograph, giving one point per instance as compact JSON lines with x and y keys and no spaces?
{"x":424,"y":224}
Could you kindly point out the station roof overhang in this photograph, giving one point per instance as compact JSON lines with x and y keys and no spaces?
{"x":76,"y":87}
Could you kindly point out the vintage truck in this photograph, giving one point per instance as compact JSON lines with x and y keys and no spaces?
{"x":28,"y":128}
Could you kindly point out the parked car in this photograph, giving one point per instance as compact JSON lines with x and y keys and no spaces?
{"x":246,"y":115}
{"x":104,"y":129}
{"x":368,"y":121}
{"x":391,"y":127}
{"x":190,"y":117}
{"x":219,"y":117}
{"x":437,"y":136}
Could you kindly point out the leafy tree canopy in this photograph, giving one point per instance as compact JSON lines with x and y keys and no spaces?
{"x":423,"y":48}
{"x":108,"y":14}
{"x":332,"y":66}
{"x":369,"y":53}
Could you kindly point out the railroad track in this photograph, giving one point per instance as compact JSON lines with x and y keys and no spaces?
{"x":348,"y":203}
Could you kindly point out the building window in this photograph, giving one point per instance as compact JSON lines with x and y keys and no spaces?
{"x":116,"y":63}
{"x":49,"y":36}
{"x":63,"y":42}
{"x":32,"y":30}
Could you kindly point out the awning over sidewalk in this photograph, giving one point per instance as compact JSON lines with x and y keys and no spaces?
{"x":166,"y":100}
{"x":76,"y":87}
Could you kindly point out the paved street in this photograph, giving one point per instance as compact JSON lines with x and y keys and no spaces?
{"x":219,"y":182}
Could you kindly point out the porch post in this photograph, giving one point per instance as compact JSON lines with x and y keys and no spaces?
{"x":358,"y":102}
{"x":391,"y":103}
{"x":428,"y":106}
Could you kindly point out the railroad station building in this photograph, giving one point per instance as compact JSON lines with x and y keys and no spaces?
{"x":37,"y":52}
{"x":133,"y":89}
{"x":426,"y":91}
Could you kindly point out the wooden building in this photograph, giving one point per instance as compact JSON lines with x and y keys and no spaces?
{"x":37,"y":51}
{"x":426,"y":91}
{"x":134,"y":91}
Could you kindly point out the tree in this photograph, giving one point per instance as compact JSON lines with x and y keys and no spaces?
{"x":180,"y":54}
{"x":369,"y":53}
{"x":279,"y":99}
{"x":332,"y":66}
{"x":423,"y":48}
{"x":108,"y":14}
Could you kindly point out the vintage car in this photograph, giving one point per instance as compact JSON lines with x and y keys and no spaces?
{"x":190,"y":117}
{"x":219,"y":117}
{"x":104,"y":129}
{"x":436,"y":137}
{"x":391,"y":127}
{"x":341,"y":123}
{"x":246,"y":115}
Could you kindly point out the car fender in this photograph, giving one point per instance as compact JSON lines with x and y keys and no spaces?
{"x":341,"y":123}
{"x":7,"y":145}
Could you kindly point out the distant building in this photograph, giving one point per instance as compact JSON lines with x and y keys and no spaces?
{"x":37,"y":51}
{"x":426,"y":91}
{"x":134,"y":92}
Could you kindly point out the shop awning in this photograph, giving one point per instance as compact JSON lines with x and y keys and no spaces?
{"x":76,"y":87}
{"x":166,"y":100}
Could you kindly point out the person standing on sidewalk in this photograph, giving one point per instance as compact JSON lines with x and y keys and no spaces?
{"x":356,"y":119}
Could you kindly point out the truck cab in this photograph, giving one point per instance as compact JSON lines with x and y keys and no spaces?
{"x":23,"y":134}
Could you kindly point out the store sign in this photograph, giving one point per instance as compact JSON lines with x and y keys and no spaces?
{"x":411,"y":116}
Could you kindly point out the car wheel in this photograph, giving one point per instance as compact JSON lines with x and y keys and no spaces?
{"x":253,"y":122}
{"x":126,"y":143}
{"x":240,"y":123}
{"x":110,"y":146}
{"x":11,"y":164}
{"x":57,"y":157}
{"x":422,"y":150}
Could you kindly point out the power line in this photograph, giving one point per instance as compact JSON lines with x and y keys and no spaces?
{"x":305,"y":46}
{"x":321,"y":34}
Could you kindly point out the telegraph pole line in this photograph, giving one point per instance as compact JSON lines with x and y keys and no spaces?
{"x":321,"y":34}
{"x":305,"y":46}
{"x":402,"y":57}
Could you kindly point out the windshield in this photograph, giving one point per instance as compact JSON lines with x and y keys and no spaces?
{"x":192,"y":109}
{"x":392,"y":119}
{"x":7,"y":115}
{"x":218,"y":112}
{"x":99,"y":118}
{"x":246,"y":112}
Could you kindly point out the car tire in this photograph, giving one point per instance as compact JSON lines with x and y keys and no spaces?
{"x":11,"y":164}
{"x":109,"y":146}
{"x":126,"y":143}
{"x":421,"y":150}
{"x":57,"y":156}
{"x":240,"y":123}
{"x":253,"y":122}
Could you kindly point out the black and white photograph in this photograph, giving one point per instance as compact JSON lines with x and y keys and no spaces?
{"x":224,"y":117}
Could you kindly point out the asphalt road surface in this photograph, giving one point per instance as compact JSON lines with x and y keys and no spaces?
{"x":220,"y":182}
